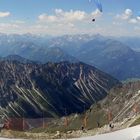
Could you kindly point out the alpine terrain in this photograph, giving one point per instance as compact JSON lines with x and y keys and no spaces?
{"x":50,"y":90}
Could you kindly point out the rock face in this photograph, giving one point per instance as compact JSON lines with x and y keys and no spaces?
{"x":50,"y":90}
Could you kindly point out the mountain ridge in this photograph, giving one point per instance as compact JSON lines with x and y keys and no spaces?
{"x":31,"y":89}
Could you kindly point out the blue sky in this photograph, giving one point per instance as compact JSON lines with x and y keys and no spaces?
{"x":57,"y":17}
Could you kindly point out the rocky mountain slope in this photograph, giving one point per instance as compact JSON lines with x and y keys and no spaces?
{"x":121,"y":108}
{"x":50,"y":90}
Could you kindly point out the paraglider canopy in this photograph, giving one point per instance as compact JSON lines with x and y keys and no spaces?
{"x":98,"y":4}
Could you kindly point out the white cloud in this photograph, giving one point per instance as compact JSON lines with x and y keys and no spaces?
{"x":128,"y":16}
{"x":133,"y":20}
{"x":46,"y":18}
{"x":74,"y":15}
{"x":71,"y":25}
{"x":4,"y":14}
{"x":58,"y":11}
{"x":71,"y":16}
{"x":9,"y":28}
{"x":8,"y":25}
{"x":72,"y":21}
{"x":60,"y":15}
{"x":138,"y":18}
{"x":117,"y":23}
{"x":96,"y":13}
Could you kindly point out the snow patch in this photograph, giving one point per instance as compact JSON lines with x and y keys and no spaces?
{"x":132,"y":133}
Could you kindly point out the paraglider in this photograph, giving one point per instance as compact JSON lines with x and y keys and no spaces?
{"x":99,"y":6}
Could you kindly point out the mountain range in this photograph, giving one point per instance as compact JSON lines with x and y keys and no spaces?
{"x":51,"y":89}
{"x":115,"y":56}
{"x":111,"y":56}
